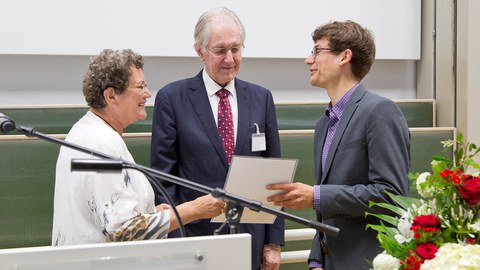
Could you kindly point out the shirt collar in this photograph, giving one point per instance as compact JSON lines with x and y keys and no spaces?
{"x":212,"y":87}
{"x":339,"y":107}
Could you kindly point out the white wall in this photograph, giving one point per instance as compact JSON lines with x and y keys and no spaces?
{"x":468,"y":80}
{"x":275,"y":28}
{"x":45,"y":45}
{"x":40,"y":79}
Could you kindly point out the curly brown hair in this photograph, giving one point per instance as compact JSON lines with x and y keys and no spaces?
{"x":108,"y":69}
{"x":350,"y":35}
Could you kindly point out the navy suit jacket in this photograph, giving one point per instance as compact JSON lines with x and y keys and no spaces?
{"x":185,"y":143}
{"x":369,"y":154}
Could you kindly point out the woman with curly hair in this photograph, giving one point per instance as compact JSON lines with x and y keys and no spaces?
{"x":91,"y":207}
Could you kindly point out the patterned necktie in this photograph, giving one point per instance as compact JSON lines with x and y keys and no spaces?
{"x":225,"y":123}
{"x":332,"y":127}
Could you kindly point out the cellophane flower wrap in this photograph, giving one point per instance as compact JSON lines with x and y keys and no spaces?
{"x":440,"y":227}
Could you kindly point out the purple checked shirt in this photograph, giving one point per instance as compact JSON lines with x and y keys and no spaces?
{"x":334,"y":114}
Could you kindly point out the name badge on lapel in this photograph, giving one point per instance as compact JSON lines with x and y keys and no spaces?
{"x":258,"y":140}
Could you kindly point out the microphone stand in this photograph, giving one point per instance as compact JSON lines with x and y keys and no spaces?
{"x":233,"y":214}
{"x":236,"y":203}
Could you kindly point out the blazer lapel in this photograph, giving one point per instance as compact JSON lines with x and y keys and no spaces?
{"x":242,"y":139}
{"x":320,"y":135}
{"x":200,"y":103}
{"x":342,"y":126}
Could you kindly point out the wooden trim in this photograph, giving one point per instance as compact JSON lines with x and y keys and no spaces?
{"x":297,"y":256}
{"x":299,"y":234}
{"x":149,"y":105}
{"x":24,"y":137}
{"x":297,"y":132}
{"x":429,"y":129}
{"x":282,"y":132}
{"x":325,"y":102}
{"x":45,"y":106}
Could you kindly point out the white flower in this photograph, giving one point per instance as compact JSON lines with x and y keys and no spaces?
{"x":447,"y":143}
{"x":424,"y":190}
{"x":384,"y":261}
{"x":434,"y":162}
{"x":425,"y":208}
{"x":475,"y":226}
{"x":402,"y":239}
{"x":404,"y":224}
{"x":454,"y":256}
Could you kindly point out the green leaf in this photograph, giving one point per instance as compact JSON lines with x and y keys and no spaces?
{"x":404,"y":202}
{"x":389,"y":219}
{"x":412,"y":176}
{"x":397,"y":210}
{"x":476,"y":152}
{"x":383,"y":229}
{"x":472,"y":147}
{"x":377,"y":228}
{"x":390,"y":244}
{"x":470,"y":162}
{"x":460,"y":137}
{"x":441,"y":158}
{"x":475,"y":165}
{"x":439,"y":166}
{"x":458,"y":156}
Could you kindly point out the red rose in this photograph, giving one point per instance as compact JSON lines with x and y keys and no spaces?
{"x":446,"y":173}
{"x":470,"y":190}
{"x":456,"y":179}
{"x":471,"y":241}
{"x":426,"y":221}
{"x":427,"y":251}
{"x":412,"y":262}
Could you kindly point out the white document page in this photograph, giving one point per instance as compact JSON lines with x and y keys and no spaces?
{"x":247,"y":178}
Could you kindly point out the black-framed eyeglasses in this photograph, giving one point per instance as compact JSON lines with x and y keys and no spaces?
{"x":220,"y":51}
{"x":316,"y":51}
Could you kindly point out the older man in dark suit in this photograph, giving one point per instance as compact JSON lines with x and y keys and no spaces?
{"x":361,"y":150}
{"x":199,"y":123}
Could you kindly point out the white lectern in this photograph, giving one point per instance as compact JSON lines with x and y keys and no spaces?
{"x":204,"y":252}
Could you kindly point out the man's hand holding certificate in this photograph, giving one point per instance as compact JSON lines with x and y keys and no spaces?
{"x":247,"y":178}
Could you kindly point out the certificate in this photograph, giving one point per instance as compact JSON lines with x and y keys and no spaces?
{"x":247,"y":178}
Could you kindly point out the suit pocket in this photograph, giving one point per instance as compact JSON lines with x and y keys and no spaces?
{"x":360,"y":143}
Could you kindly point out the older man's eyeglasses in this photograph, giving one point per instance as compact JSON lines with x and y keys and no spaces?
{"x":316,"y":51}
{"x":220,"y":51}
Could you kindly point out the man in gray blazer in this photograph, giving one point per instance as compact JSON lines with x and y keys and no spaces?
{"x":361,"y":150}
{"x":186,"y":121}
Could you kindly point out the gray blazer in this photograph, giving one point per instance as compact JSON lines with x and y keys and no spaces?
{"x":369,"y":154}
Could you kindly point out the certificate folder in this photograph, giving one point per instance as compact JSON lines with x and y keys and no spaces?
{"x":247,"y":178}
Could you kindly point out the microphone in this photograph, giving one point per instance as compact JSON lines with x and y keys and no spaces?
{"x":97,"y":165}
{"x":6,"y":124}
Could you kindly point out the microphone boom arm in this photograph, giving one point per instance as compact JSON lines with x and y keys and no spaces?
{"x":217,"y":192}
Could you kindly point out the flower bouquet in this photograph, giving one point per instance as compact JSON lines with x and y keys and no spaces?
{"x":440,"y":228}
